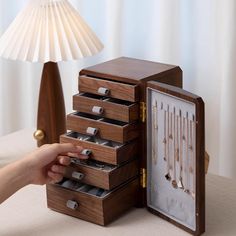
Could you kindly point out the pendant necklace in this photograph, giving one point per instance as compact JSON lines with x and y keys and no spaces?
{"x":180,"y":182}
{"x":170,"y":138}
{"x":191,"y":148}
{"x":186,"y":190}
{"x":174,"y":182}
{"x":154,"y":133}
{"x":165,"y":140}
{"x":167,"y":176}
{"x":177,"y":137}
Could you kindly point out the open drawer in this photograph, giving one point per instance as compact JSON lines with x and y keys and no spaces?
{"x":106,"y":107}
{"x":103,"y":150}
{"x":105,"y":128}
{"x":100,"y":174}
{"x":108,"y":88}
{"x":92,"y":204}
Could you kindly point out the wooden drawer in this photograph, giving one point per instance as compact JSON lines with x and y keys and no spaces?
{"x":100,"y":174}
{"x":89,"y":207}
{"x":106,"y":107}
{"x":105,"y":128}
{"x":103,"y":150}
{"x":109,"y":88}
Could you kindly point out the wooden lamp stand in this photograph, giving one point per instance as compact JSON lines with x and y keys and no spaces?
{"x":51,"y":107}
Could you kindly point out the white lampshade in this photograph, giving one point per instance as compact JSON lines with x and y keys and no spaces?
{"x":48,"y":30}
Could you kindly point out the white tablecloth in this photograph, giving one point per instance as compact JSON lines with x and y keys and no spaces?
{"x":26,"y":214}
{"x":15,"y":145}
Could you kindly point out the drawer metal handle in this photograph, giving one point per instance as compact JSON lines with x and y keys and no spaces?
{"x":77,"y":175}
{"x":86,"y":152}
{"x":103,"y":91}
{"x":97,"y":110}
{"x":72,"y":204}
{"x":91,"y":131}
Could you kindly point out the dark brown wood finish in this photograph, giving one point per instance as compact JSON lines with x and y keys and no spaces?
{"x":200,"y":153}
{"x":119,"y":133}
{"x":91,"y":208}
{"x":127,"y":79}
{"x":104,"y":179}
{"x":51,"y":107}
{"x":133,"y":71}
{"x":113,"y":110}
{"x":110,"y":155}
{"x":116,"y":90}
{"x":139,"y":72}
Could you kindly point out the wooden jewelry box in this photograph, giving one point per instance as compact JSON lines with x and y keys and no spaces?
{"x":145,"y":138}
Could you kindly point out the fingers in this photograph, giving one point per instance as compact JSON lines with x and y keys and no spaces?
{"x":66,"y":148}
{"x":70,"y":150}
{"x":79,"y":156}
{"x":58,"y":169}
{"x":56,"y":173}
{"x":64,"y":160}
{"x":54,"y":177}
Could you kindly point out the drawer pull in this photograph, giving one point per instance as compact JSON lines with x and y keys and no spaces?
{"x":86,"y":152}
{"x":77,"y":175}
{"x":91,"y":131}
{"x":72,"y":204}
{"x":97,"y":110}
{"x":103,"y":91}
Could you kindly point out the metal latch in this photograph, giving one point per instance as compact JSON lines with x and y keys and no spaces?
{"x":143,"y":177}
{"x":143,"y":109}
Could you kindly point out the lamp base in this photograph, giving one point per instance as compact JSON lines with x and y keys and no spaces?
{"x":51,"y":107}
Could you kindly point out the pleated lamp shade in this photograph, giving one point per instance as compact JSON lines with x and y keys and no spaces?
{"x":48,"y":30}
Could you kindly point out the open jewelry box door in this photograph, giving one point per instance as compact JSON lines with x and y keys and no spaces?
{"x":175,"y":156}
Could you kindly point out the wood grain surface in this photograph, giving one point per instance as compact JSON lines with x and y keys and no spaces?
{"x":110,"y":155}
{"x":118,"y":133}
{"x":133,"y":71}
{"x":112,"y":110}
{"x":117,"y":90}
{"x":51,"y":107}
{"x":91,"y":208}
{"x":105,"y":179}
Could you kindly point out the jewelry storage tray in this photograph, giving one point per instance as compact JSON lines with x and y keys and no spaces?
{"x":94,"y":139}
{"x":97,"y":165}
{"x":107,"y":99}
{"x":100,"y":119}
{"x":89,"y":189}
{"x":83,"y":188}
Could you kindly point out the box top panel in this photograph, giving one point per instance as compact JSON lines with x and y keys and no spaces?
{"x":128,"y":70}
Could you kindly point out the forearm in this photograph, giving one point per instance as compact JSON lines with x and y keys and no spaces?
{"x":13,"y":177}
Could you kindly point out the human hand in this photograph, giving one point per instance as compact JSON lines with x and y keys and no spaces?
{"x":47,"y":164}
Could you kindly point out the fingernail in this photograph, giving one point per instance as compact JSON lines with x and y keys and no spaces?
{"x":70,"y":154}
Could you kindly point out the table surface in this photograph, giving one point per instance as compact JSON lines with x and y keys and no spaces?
{"x":26,"y":214}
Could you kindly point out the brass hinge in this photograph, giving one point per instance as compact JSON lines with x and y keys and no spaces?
{"x":143,"y":177}
{"x":143,"y":109}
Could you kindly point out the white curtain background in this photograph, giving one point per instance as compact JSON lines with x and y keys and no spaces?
{"x":197,"y":35}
